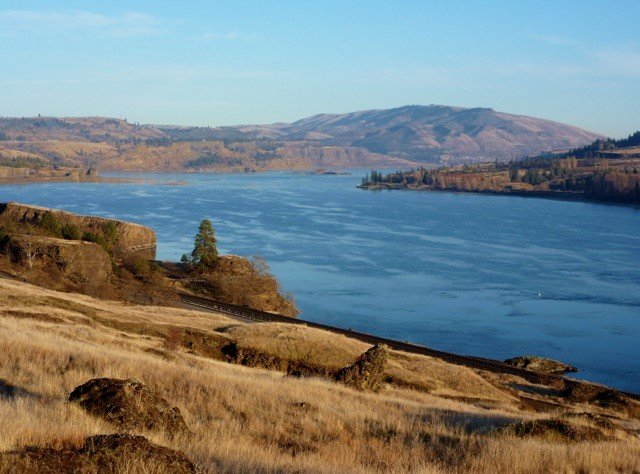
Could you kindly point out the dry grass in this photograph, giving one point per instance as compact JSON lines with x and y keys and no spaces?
{"x":248,"y":419}
{"x":9,"y":153}
{"x":72,"y":149}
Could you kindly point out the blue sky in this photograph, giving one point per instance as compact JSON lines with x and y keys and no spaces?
{"x":231,"y":62}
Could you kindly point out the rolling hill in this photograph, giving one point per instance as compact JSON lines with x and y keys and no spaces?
{"x":400,"y":137}
{"x":418,"y":133}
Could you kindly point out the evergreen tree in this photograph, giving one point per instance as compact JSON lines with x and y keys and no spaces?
{"x":205,"y":252}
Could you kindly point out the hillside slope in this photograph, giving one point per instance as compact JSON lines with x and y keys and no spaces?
{"x":430,"y":416}
{"x":420,"y":133}
{"x":426,"y":133}
{"x":398,"y":138}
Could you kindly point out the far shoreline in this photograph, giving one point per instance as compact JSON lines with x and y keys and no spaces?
{"x":114,"y":176}
{"x":24,"y":181}
{"x":551,"y":195}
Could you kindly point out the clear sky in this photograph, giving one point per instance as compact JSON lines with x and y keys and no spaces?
{"x":230,"y":62}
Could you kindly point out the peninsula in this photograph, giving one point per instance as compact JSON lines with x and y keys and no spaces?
{"x":607,"y":170}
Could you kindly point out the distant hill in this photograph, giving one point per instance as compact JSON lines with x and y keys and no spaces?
{"x":399,"y":138}
{"x":431,"y":133}
{"x":93,"y":129}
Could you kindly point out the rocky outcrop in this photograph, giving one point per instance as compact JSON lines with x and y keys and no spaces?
{"x":11,"y":172}
{"x":540,"y":364}
{"x":368,"y":371}
{"x":130,"y":405}
{"x":556,"y":430}
{"x":101,"y":454}
{"x":125,"y":237}
{"x":59,"y":263}
{"x":604,"y":397}
{"x":244,"y":282}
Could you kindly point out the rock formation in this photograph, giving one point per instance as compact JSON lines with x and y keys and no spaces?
{"x":367,"y":372}
{"x":128,"y":404}
{"x":541,"y":364}
{"x":126,"y":237}
{"x":84,"y":264}
{"x":605,"y":397}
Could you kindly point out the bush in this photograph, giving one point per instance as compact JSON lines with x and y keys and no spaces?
{"x":49,"y":223}
{"x":95,"y":238}
{"x":70,"y":232}
{"x":142,"y":267}
{"x":260,"y":266}
{"x":110,"y":232}
{"x":4,"y":236}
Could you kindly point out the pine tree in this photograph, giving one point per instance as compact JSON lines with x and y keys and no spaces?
{"x":205,"y":252}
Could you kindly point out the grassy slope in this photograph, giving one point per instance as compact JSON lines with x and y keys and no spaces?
{"x":252,"y":419}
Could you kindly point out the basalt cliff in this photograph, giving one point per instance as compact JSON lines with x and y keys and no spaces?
{"x":114,"y":259}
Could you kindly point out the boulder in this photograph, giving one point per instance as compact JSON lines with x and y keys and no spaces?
{"x":128,"y":404}
{"x":368,"y":371}
{"x":540,"y":364}
{"x":99,"y":454}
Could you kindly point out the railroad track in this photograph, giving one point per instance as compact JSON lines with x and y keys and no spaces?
{"x":469,"y":361}
{"x":479,"y":363}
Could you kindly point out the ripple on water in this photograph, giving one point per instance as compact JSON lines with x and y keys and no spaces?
{"x":492,"y":276}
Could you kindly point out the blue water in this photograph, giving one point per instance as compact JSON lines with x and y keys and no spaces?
{"x":490,"y":276}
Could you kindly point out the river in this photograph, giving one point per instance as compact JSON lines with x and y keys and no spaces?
{"x":491,"y":276}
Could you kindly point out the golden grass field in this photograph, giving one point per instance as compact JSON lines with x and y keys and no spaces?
{"x":251,"y":419}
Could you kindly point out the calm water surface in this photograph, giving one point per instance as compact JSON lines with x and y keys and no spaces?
{"x":489,"y":276}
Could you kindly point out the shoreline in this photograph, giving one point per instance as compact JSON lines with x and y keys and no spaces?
{"x":552,"y":195}
{"x":37,"y":179}
{"x":99,"y":180}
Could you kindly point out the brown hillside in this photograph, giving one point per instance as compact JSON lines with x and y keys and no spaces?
{"x":397,"y":137}
{"x":240,"y":418}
